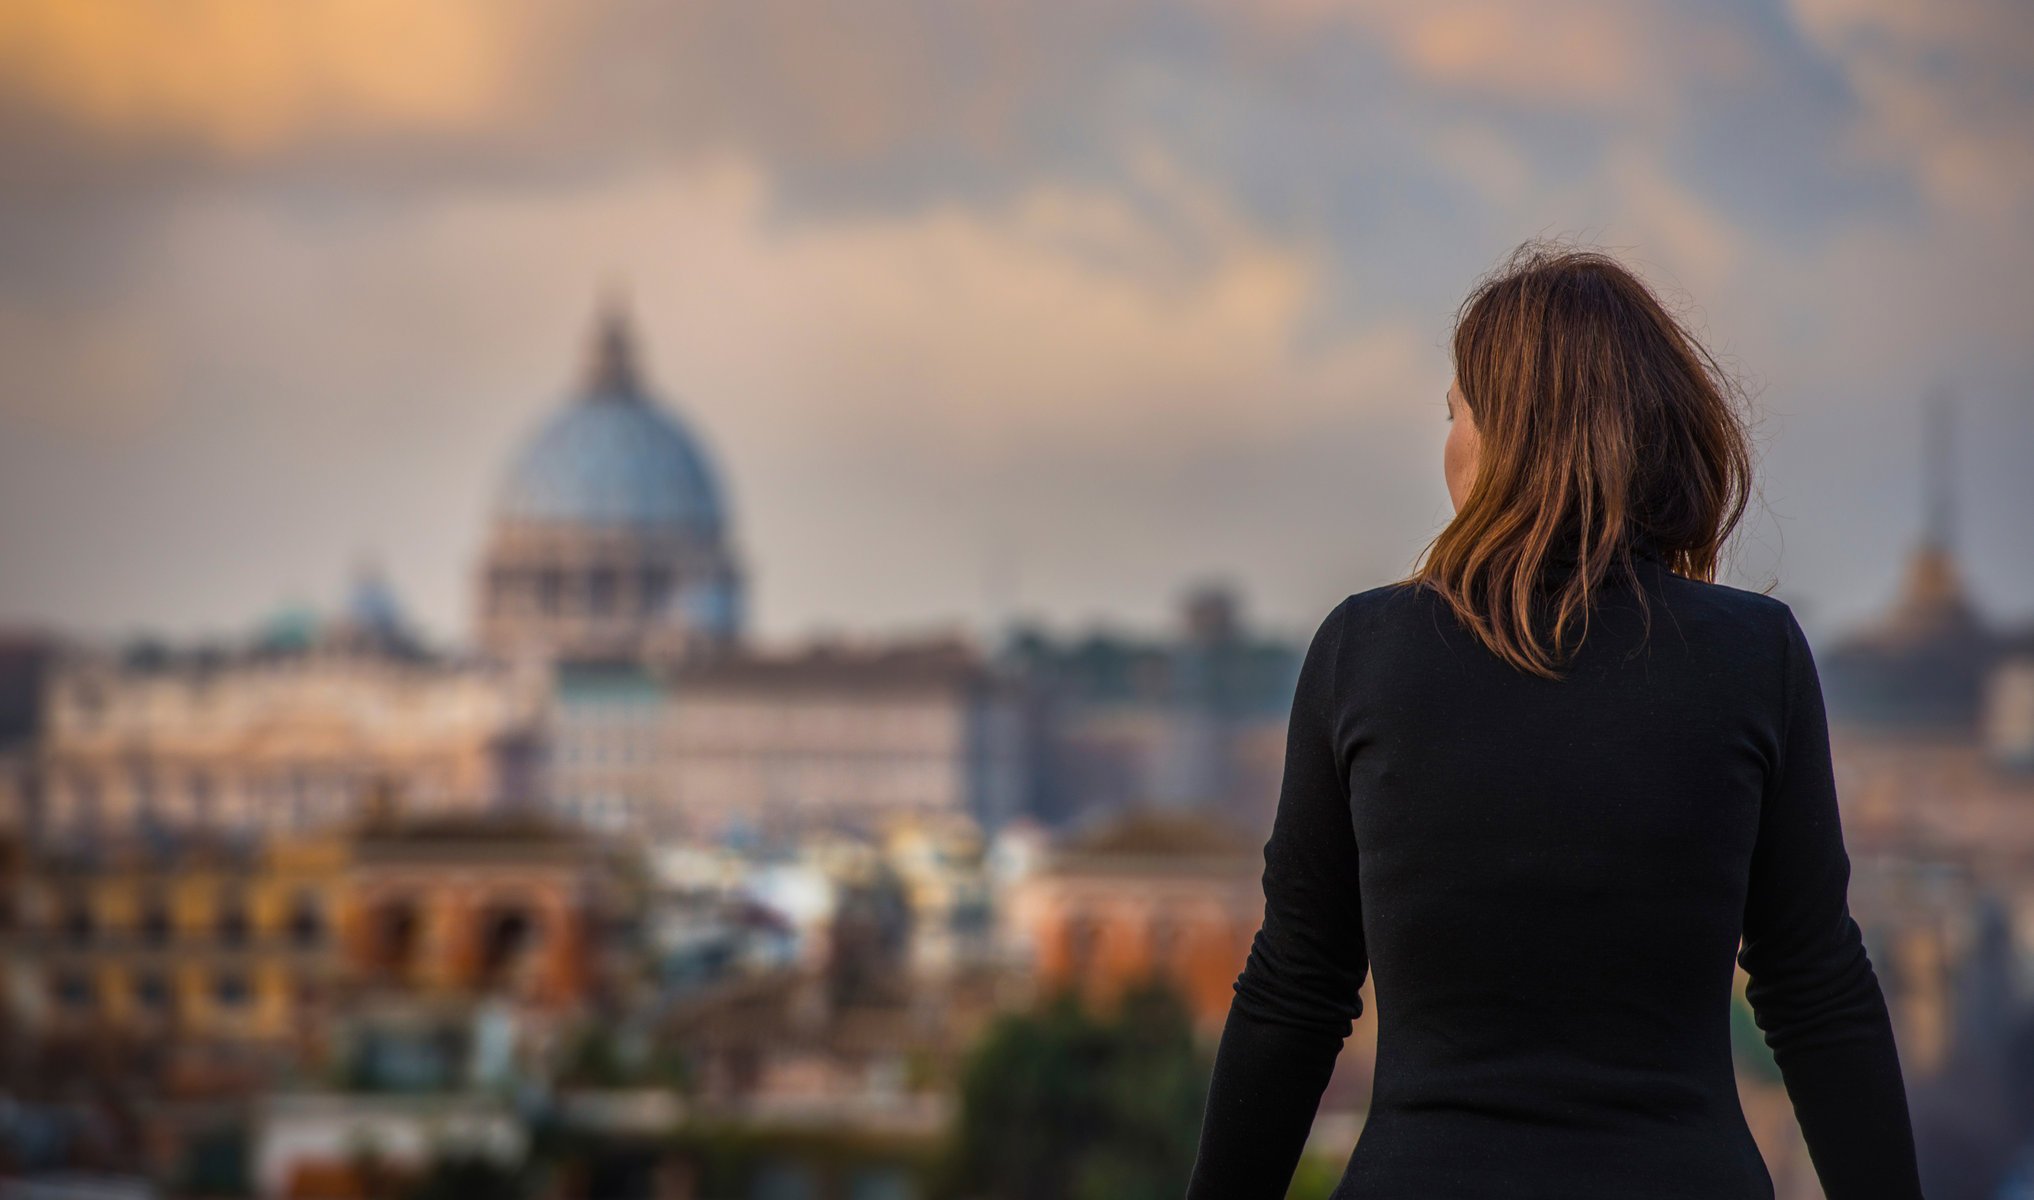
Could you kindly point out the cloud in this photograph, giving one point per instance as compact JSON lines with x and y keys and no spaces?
{"x":1946,"y":92}
{"x":1168,"y":274}
{"x":1675,"y":223}
{"x":89,"y":374}
{"x":1161,"y":321}
{"x":241,"y":77}
{"x":1613,"y":57}
{"x":1131,"y":351}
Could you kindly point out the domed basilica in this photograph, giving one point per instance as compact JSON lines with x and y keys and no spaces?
{"x":610,"y":535}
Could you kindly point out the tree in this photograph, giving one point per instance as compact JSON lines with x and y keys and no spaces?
{"x":1065,"y":1104}
{"x":463,"y":1176}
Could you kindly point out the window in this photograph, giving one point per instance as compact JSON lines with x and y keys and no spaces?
{"x":503,"y":588}
{"x":307,"y":921}
{"x":656,"y":585}
{"x":201,"y":800}
{"x":603,"y":586}
{"x":1083,"y":934}
{"x":85,"y":803}
{"x":506,"y":934}
{"x":232,"y":925}
{"x":396,"y":926}
{"x":154,"y":925}
{"x":74,"y":990}
{"x":78,"y":923}
{"x":230,"y":990}
{"x":152,"y":993}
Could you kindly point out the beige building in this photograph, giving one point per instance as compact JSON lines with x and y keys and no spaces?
{"x":768,"y":743}
{"x":284,"y":734}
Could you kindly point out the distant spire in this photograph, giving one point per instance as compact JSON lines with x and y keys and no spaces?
{"x":1941,"y":511}
{"x":1933,"y":602}
{"x":612,"y":373}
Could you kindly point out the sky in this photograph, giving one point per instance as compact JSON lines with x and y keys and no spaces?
{"x":1048,"y":310}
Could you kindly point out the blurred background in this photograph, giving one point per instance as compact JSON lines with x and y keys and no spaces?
{"x":700,"y":600}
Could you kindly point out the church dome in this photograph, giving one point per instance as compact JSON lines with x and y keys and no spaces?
{"x":610,"y":537}
{"x":615,"y":457}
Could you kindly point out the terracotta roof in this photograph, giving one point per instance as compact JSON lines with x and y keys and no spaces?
{"x":1160,"y":833}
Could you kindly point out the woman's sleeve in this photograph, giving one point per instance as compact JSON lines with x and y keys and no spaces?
{"x":1296,"y":999}
{"x":1812,"y":987}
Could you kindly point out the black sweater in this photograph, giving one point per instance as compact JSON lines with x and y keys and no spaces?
{"x":1549,"y":881}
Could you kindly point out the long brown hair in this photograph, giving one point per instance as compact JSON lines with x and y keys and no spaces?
{"x":1604,"y":427}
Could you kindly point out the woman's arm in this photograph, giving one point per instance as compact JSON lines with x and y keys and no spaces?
{"x":1812,"y":987}
{"x":1296,"y":998}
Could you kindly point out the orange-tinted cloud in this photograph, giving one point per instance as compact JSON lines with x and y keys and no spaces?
{"x":243,"y":76}
{"x":1614,"y":56}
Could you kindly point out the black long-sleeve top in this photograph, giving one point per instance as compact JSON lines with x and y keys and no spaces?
{"x":1549,"y":883}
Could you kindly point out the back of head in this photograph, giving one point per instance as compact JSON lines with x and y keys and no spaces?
{"x":1603,"y":428}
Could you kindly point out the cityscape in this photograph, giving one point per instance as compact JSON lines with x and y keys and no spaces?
{"x":616,"y":900}
{"x":640,"y":601}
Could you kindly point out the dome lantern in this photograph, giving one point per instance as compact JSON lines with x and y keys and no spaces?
{"x":612,"y":374}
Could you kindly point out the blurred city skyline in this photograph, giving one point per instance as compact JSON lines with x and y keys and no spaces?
{"x":982,"y":310}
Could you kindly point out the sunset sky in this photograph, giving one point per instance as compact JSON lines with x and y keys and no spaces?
{"x":1052,"y":308}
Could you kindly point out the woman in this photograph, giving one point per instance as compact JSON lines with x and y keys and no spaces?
{"x":1541,"y":789}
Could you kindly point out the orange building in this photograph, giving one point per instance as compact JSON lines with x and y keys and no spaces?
{"x":211,"y":944}
{"x":462,"y":907}
{"x":1171,"y":894}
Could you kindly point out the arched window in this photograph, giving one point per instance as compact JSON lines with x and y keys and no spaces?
{"x":506,"y":933}
{"x":306,"y":921}
{"x":1082,"y":936}
{"x":396,"y":925}
{"x":1163,"y":936}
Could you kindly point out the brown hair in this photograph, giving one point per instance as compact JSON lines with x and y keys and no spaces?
{"x":1603,"y":425}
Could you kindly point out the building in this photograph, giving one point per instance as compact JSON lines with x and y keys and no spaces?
{"x":25,"y":660}
{"x":607,"y":747}
{"x":2009,"y":707}
{"x":1929,"y":734}
{"x":610,"y":536}
{"x":854,"y":737}
{"x":218,"y":944}
{"x":203,"y":945}
{"x":1176,"y":896}
{"x":1924,"y":668}
{"x":461,"y":908}
{"x":281,"y":734}
{"x":765,"y":744}
{"x":1194,"y":721}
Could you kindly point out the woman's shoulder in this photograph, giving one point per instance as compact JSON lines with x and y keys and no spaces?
{"x":1688,"y":605}
{"x":1755,"y":615}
